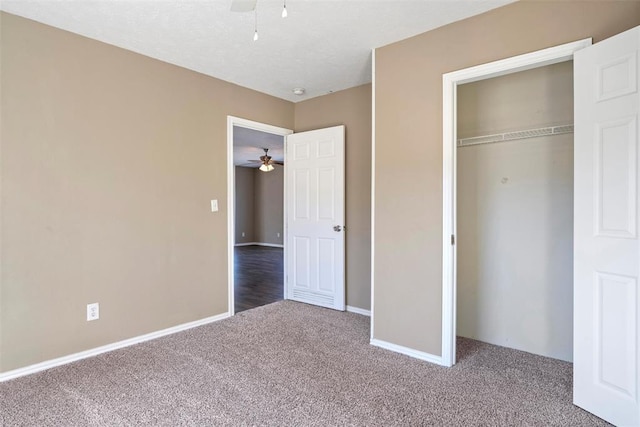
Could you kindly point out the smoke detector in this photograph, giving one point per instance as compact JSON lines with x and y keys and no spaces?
{"x":299,"y":91}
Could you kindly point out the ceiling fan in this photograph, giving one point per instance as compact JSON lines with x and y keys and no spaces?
{"x":267,"y":161}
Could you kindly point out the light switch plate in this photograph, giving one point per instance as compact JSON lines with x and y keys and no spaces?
{"x":214,"y":206}
{"x":93,"y":311}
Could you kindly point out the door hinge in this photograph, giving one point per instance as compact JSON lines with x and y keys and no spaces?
{"x":453,"y":239}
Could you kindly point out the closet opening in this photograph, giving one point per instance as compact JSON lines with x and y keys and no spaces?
{"x":452,"y":82}
{"x":514,"y":239}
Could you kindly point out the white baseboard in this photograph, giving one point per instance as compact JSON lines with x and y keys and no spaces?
{"x":427,"y":357}
{"x":270,"y":245}
{"x":357,"y":310}
{"x":32,"y":369}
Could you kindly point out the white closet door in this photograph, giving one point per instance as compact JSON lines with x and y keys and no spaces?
{"x":606,"y":245}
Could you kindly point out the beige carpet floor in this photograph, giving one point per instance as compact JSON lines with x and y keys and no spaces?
{"x":290,"y":364}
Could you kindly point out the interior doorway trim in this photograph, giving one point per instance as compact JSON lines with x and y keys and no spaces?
{"x":450,"y":82}
{"x":231,"y":190}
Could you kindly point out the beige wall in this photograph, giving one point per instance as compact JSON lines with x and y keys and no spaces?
{"x":352,"y":108}
{"x":529,"y":99}
{"x":515,"y":213}
{"x":408,"y":174}
{"x":269,"y":205}
{"x":109,"y":161}
{"x":259,"y":205}
{"x":245,"y":206}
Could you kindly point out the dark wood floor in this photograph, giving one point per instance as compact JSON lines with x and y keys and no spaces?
{"x":259,"y":276}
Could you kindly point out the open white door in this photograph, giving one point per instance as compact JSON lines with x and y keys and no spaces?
{"x":606,"y":244}
{"x":315,"y":217}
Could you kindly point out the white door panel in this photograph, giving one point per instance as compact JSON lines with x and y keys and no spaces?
{"x":616,"y":171}
{"x":606,"y":244}
{"x":315,"y":202}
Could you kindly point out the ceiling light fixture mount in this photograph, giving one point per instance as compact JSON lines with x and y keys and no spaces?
{"x":299,"y":91}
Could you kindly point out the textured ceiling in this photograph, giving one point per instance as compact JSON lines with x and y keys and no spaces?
{"x":323,"y":45}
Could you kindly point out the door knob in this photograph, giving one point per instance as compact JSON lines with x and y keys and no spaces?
{"x":337,"y":228}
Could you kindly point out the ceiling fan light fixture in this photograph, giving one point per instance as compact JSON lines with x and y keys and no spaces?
{"x":266,"y":168}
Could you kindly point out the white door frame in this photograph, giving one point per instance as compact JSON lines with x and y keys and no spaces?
{"x":231,"y":193}
{"x":450,"y":83}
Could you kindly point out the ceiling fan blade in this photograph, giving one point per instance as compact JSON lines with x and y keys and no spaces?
{"x":277,"y":162}
{"x":243,"y":5}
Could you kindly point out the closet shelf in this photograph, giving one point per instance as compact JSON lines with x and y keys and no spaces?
{"x":520,"y":134}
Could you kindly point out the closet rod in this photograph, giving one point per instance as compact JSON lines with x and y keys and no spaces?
{"x":520,"y":134}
